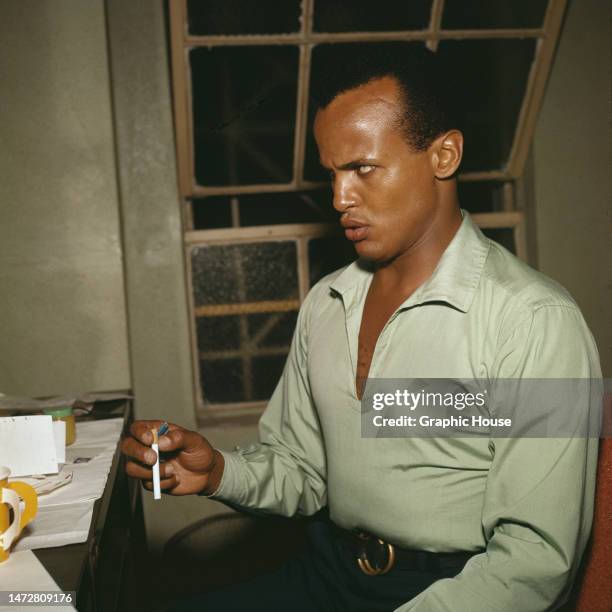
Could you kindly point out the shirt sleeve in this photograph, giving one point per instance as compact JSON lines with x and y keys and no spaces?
{"x":538,"y":503}
{"x":285,"y":473}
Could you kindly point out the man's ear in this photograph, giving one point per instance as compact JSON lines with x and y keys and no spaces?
{"x":446,"y":154}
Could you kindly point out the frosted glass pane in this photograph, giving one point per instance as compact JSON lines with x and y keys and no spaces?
{"x":230,"y":274}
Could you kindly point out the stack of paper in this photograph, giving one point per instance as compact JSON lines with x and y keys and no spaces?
{"x":64,"y":515}
{"x":27,"y":445}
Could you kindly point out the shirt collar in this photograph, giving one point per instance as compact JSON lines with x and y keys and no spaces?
{"x":454,"y":279}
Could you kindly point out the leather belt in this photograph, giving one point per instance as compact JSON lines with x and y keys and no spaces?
{"x":376,"y":557}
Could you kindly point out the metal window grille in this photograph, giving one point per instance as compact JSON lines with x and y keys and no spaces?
{"x":508,"y":217}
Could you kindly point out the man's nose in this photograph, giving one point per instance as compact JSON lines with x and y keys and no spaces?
{"x":344,"y":194}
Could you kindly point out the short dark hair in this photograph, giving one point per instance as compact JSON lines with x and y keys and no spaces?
{"x":425,"y":85}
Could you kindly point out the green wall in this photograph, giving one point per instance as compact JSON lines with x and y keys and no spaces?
{"x":62,"y":310}
{"x":152,"y":237}
{"x":572,"y":155}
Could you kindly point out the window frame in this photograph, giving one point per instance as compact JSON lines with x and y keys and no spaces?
{"x":511,"y":216}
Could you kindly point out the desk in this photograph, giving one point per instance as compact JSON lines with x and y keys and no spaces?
{"x":102,"y":569}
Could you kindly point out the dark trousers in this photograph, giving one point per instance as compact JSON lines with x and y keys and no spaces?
{"x":324,"y":578}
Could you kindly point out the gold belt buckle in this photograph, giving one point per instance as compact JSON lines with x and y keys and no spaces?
{"x":364,"y":563}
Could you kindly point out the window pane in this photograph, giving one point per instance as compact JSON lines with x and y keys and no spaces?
{"x":363,"y":16}
{"x":266,"y":209}
{"x":328,"y":254}
{"x":225,"y":17}
{"x":233,"y":346}
{"x":221,"y":380}
{"x":243,"y":114}
{"x":321,"y":56}
{"x":481,"y":196}
{"x":468,"y":14}
{"x":313,"y":171}
{"x":218,"y":333}
{"x":231,"y":274}
{"x":296,"y":207}
{"x":242,"y":356}
{"x":266,"y":374}
{"x":493,"y":76}
{"x":211,"y":213}
{"x":503,"y":235}
{"x":272,"y":329}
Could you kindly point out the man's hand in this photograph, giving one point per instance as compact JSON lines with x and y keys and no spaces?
{"x":188,"y":463}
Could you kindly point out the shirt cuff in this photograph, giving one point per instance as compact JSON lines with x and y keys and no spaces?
{"x":229,"y":488}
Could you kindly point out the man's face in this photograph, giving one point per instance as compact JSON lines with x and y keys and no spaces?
{"x":384,"y":190}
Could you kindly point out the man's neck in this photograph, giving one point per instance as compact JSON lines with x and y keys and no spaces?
{"x":413,"y":267}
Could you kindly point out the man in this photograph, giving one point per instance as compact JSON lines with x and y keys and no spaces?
{"x":423,"y":524}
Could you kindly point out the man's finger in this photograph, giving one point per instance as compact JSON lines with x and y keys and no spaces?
{"x":180,"y":439}
{"x":168,"y":483}
{"x":135,"y":450}
{"x":138,"y":471}
{"x":141,"y":430}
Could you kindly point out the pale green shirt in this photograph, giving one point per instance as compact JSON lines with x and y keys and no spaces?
{"x":527,"y":502}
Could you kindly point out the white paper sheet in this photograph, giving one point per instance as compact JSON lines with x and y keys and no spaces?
{"x":22,"y":571}
{"x":82,"y":454}
{"x":27,"y":445}
{"x":45,"y":484}
{"x":57,"y":526}
{"x":64,"y":515}
{"x":59,"y":436}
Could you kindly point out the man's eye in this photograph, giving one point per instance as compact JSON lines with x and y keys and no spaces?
{"x":363,"y":170}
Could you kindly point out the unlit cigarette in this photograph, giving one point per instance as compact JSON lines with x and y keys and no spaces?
{"x":156,"y":485}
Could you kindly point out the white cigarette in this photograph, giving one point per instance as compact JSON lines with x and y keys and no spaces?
{"x":156,"y":485}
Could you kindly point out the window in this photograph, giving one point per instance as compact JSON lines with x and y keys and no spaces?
{"x":257,"y":208}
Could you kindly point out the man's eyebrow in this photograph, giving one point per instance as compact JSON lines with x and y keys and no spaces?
{"x":352,"y":165}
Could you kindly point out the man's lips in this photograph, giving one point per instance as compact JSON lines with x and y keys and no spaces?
{"x":355,"y":234}
{"x":354,"y":230}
